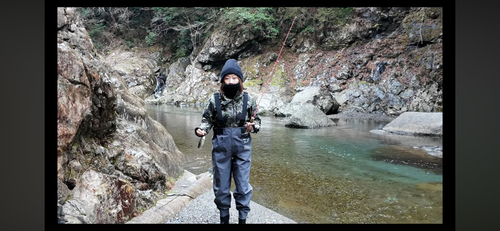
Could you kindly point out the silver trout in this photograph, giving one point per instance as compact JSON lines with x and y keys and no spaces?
{"x":201,"y":142}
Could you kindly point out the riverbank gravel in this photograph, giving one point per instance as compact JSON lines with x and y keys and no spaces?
{"x":202,"y":210}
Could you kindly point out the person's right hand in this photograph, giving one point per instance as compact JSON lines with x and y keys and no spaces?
{"x":200,"y":132}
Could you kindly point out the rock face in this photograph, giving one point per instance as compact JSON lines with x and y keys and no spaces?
{"x":383,"y":60}
{"x":224,"y":44}
{"x":136,"y":69}
{"x":113,"y":160}
{"x":417,"y":123}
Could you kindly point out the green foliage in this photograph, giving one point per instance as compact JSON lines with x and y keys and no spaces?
{"x":106,"y":23}
{"x":129,"y":44}
{"x":96,"y":32}
{"x":308,"y":29}
{"x":338,"y":15}
{"x":344,"y":12}
{"x":184,"y":29}
{"x":86,"y":12}
{"x":167,"y":15}
{"x":311,"y":19}
{"x":151,"y":38}
{"x":256,"y":20}
{"x":253,"y":83}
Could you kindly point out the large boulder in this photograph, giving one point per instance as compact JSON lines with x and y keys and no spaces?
{"x":99,"y":198}
{"x":417,"y":123}
{"x":318,"y":96}
{"x":270,"y":104}
{"x":306,"y":116}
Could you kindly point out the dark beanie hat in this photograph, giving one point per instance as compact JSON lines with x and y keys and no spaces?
{"x":231,"y":67}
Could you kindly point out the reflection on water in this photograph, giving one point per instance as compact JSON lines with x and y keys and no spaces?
{"x":326,"y":175}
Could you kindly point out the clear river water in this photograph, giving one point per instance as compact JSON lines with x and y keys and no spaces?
{"x":334,"y":174}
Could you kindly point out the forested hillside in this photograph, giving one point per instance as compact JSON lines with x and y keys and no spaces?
{"x":384,"y":60}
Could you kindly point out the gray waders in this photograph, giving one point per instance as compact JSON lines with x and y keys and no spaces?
{"x":231,"y":155}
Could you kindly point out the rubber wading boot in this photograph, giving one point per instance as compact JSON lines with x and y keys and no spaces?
{"x":242,"y":221}
{"x":224,"y":220}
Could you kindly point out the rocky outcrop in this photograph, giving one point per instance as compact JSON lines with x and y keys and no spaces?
{"x":224,"y":44}
{"x":136,"y":68}
{"x":186,"y":189}
{"x":113,"y":160}
{"x":320,"y":97}
{"x":408,"y":128}
{"x":382,"y":60}
{"x":309,"y":109}
{"x":306,"y":116}
{"x":417,"y":123}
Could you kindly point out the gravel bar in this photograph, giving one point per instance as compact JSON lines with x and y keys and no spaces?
{"x":202,"y":210}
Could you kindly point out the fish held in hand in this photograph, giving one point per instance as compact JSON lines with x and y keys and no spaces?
{"x":201,"y":142}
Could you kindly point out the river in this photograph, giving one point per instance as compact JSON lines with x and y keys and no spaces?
{"x":325,"y":175}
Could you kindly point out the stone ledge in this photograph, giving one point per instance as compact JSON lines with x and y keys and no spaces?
{"x":186,"y":189}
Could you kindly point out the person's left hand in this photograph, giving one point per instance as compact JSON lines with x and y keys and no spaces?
{"x":249,"y":126}
{"x":200,"y":132}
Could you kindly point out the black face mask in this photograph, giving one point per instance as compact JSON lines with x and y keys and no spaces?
{"x":230,"y":90}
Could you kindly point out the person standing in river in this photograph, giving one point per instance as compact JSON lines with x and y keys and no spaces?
{"x":229,"y":113}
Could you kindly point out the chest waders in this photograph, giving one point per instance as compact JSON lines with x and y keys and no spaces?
{"x":231,"y":155}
